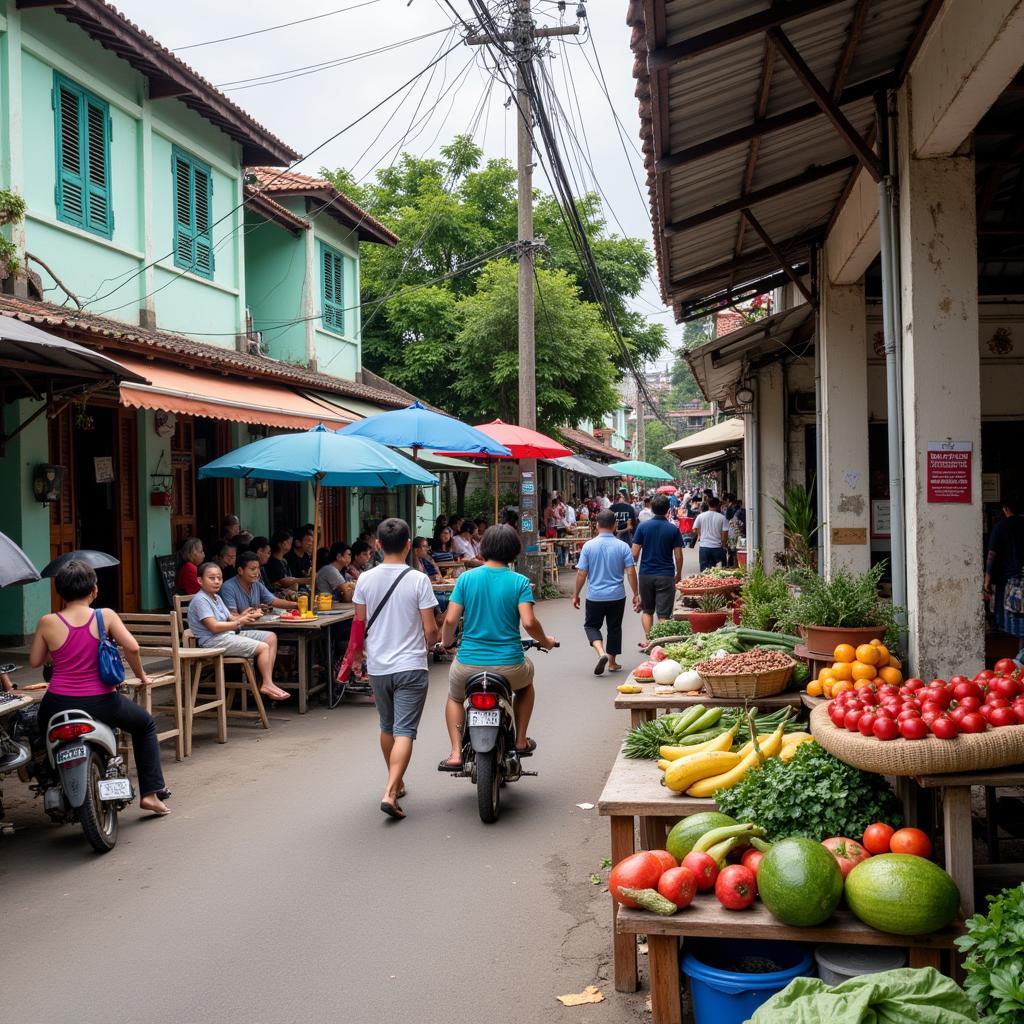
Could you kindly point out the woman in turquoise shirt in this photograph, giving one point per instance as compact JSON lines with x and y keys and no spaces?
{"x":494,"y":602}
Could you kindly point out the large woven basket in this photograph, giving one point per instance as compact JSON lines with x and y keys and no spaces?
{"x":969,"y":752}
{"x":749,"y":684}
{"x":725,"y":588}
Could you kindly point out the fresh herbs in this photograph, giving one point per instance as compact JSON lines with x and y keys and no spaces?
{"x":669,"y":627}
{"x":813,"y":795}
{"x":765,"y":598}
{"x":995,"y":970}
{"x":711,"y":602}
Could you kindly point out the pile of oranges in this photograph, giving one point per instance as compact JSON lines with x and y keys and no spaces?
{"x":856,"y":667}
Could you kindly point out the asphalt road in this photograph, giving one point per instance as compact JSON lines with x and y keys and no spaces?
{"x":277,"y":892}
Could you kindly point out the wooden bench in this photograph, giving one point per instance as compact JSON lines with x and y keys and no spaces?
{"x":644,"y":706}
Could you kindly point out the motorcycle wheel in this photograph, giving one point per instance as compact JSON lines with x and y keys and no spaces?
{"x":488,"y":790}
{"x":98,"y":820}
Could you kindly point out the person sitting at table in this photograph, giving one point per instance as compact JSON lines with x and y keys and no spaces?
{"x":279,"y":576}
{"x":226,"y":556}
{"x":246,"y":590}
{"x":230,"y":527}
{"x":361,"y":557}
{"x":242,"y":541}
{"x":190,"y":556}
{"x":300,"y":557}
{"x":443,"y":548}
{"x":213,"y":625}
{"x":454,"y":525}
{"x":261,"y":547}
{"x":331,"y":576}
{"x":421,"y":559}
{"x":440,"y":523}
{"x":464,"y":546}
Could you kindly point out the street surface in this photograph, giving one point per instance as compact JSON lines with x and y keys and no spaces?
{"x":277,"y":892}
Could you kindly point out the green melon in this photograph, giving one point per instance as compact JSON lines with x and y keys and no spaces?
{"x":901,"y":894}
{"x":799,"y":885}
{"x":686,"y":832}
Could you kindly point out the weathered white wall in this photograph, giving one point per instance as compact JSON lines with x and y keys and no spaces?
{"x":772,"y":422}
{"x":853,"y":242}
{"x":942,"y":400}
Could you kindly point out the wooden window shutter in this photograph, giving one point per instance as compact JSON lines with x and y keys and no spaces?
{"x":193,"y":215}
{"x":332,"y":271}
{"x":202,"y":187}
{"x":184,"y":249}
{"x":70,"y":180}
{"x":82,"y":136}
{"x":97,"y":162}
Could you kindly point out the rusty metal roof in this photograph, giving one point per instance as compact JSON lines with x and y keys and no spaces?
{"x":728,"y":123}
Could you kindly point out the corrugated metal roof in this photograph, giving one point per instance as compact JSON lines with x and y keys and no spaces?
{"x":716,"y":91}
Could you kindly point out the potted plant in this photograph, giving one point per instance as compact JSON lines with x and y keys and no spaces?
{"x":710,"y":615}
{"x":798,"y":515}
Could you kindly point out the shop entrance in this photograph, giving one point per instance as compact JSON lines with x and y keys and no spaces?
{"x":284,"y":505}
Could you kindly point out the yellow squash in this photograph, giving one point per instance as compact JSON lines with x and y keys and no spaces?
{"x":629,"y":688}
{"x":684,"y":772}
{"x":722,"y":742}
{"x":664,"y":765}
{"x":792,"y":742}
{"x":706,"y":785}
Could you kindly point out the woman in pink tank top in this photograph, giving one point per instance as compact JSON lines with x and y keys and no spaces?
{"x":70,"y":641}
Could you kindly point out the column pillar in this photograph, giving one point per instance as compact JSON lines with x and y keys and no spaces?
{"x":941,"y":402}
{"x":771,"y":422}
{"x":843,"y":474}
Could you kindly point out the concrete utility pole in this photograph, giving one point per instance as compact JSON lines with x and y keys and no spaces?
{"x":640,"y":425}
{"x":522,"y":35}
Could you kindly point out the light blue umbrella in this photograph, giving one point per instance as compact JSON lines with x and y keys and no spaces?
{"x":641,"y":470}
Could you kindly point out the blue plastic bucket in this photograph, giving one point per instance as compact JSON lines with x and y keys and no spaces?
{"x":722,"y":996}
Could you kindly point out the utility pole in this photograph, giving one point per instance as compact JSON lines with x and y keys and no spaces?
{"x":640,"y":425}
{"x":523,"y":35}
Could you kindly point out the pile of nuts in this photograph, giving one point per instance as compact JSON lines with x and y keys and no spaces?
{"x":747,"y":662}
{"x":709,"y":583}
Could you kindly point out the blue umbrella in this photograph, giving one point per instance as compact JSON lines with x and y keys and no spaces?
{"x":15,"y":567}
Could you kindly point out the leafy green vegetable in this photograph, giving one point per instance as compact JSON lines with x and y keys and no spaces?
{"x":765,"y":598}
{"x":669,"y":627}
{"x":995,"y":970}
{"x":703,"y":645}
{"x":814,"y":795}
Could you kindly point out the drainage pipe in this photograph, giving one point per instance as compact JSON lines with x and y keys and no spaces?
{"x":754,"y":454}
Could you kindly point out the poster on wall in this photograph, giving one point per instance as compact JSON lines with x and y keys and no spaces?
{"x":991,"y":487}
{"x":880,"y":522}
{"x":949,"y":472}
{"x":104,"y":467}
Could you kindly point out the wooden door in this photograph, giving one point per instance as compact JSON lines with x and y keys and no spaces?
{"x":63,"y":514}
{"x":127,"y":470}
{"x":183,"y":469}
{"x":332,"y":511}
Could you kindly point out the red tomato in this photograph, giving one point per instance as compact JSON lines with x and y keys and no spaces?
{"x":955,"y":681}
{"x":940,"y":695}
{"x":868,"y":697}
{"x":945,"y":728}
{"x":908,"y":713}
{"x":1001,"y":717}
{"x":678,"y":886}
{"x":967,"y":689}
{"x":912,"y":841}
{"x":1018,"y":710}
{"x":704,"y":867}
{"x":986,"y":673}
{"x":877,"y":836}
{"x":838,"y":716}
{"x":930,"y":707}
{"x":752,"y":859}
{"x":866,"y":723}
{"x":885,"y":729}
{"x":996,"y":700}
{"x":637,"y":871}
{"x":1008,"y":688}
{"x":1005,"y":667}
{"x":972,"y":722}
{"x":847,"y":853}
{"x":851,"y":719}
{"x":958,"y":713}
{"x":913,"y":684}
{"x":939,"y":684}
{"x":888,"y":690}
{"x":913,"y":729}
{"x":969,"y":703}
{"x":736,"y":887}
{"x":885,"y":713}
{"x":666,"y":859}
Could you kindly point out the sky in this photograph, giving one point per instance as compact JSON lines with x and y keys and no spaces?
{"x":317,"y":101}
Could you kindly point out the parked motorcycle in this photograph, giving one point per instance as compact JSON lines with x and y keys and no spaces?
{"x":489,"y":755}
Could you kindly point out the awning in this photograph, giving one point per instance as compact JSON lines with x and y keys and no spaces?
{"x":584,"y":466}
{"x":707,"y":460}
{"x":190,"y":393}
{"x":719,"y":365}
{"x":442,"y":463}
{"x":721,"y":435}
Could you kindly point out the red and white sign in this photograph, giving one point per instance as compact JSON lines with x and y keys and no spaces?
{"x":949,"y":472}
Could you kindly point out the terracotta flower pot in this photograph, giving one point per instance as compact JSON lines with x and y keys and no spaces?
{"x":707,"y":622}
{"x":823,"y":640}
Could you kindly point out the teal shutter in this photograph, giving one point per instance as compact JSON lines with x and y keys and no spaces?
{"x":193,"y":195}
{"x":82,"y":132}
{"x":332,"y":271}
{"x":97,"y":154}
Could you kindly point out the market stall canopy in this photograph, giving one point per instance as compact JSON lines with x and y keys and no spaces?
{"x":28,"y":354}
{"x":711,"y":459}
{"x":584,"y":466}
{"x":641,"y":470}
{"x":721,"y":435}
{"x":720,"y":366}
{"x":15,"y":567}
{"x":193,"y":393}
{"x":442,"y":463}
{"x":522,"y":442}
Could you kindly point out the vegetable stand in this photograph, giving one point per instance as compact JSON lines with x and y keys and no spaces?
{"x":644,"y":706}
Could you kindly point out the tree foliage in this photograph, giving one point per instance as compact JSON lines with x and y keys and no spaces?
{"x":656,"y":436}
{"x":441,"y":321}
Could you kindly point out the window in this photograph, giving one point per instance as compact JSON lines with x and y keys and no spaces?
{"x":82,"y":132}
{"x":332,"y":276}
{"x":193,"y":197}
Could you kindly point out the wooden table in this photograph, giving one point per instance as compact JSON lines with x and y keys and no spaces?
{"x":706,"y":918}
{"x":307,"y":630}
{"x":21,"y":700}
{"x":644,"y":707}
{"x":634,"y":796}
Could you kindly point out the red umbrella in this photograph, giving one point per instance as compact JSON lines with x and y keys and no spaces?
{"x":668,"y":489}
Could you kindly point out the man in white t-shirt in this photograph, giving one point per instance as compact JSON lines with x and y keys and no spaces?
{"x":394,"y":608}
{"x":464,"y":546}
{"x":709,"y":529}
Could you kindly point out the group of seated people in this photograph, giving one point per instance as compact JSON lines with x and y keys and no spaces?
{"x":456,"y":541}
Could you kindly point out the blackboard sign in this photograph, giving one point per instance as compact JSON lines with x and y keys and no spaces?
{"x":167,"y":570}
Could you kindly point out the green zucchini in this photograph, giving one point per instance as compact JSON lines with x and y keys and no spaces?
{"x":650,"y":899}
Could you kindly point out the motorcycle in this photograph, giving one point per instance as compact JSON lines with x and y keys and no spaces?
{"x":73,"y":763}
{"x":489,"y":755}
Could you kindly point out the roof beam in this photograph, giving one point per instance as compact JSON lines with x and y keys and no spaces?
{"x":860,"y":13}
{"x":750,"y":262}
{"x":696,"y":308}
{"x":828,"y":106}
{"x":167,"y":89}
{"x":752,"y":25}
{"x":775,"y":251}
{"x":816,"y":172}
{"x":764,"y":126}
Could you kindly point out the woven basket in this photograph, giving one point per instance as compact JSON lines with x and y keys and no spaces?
{"x":969,"y":752}
{"x":749,"y":684}
{"x":725,"y":589}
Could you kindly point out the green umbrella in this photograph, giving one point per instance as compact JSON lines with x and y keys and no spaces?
{"x":643,"y":470}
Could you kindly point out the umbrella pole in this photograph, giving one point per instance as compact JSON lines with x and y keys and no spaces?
{"x":497,"y":487}
{"x":412,"y":508}
{"x":316,"y":538}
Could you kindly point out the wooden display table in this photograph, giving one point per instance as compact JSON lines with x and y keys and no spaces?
{"x":644,"y":707}
{"x":706,"y":918}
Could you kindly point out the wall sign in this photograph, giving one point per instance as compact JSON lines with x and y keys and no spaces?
{"x":849,"y":535}
{"x":949,"y":472}
{"x":991,"y":487}
{"x":881,"y":524}
{"x":104,"y":468}
{"x":527,"y":524}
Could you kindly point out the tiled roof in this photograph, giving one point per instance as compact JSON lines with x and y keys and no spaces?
{"x":578,"y":439}
{"x":169,"y":76}
{"x":261,"y":203}
{"x":345,"y":210}
{"x":100,"y":332}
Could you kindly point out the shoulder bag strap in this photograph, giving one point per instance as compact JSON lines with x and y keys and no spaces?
{"x":99,"y":626}
{"x":398,"y":579}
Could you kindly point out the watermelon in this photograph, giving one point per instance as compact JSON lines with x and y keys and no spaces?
{"x":800,"y":882}
{"x":902,"y":894}
{"x":686,"y":832}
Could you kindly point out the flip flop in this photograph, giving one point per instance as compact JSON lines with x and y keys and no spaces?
{"x":599,"y":667}
{"x":531,"y":746}
{"x":446,"y":766}
{"x":392,"y":810}
{"x":618,"y":668}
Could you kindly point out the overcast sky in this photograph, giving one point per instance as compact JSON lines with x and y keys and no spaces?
{"x":306,"y":109}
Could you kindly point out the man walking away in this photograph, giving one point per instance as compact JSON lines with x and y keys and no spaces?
{"x":394,"y":608}
{"x":661,"y":564}
{"x":625,"y":517}
{"x":709,"y":529}
{"x":1005,"y":556}
{"x":603,"y":562}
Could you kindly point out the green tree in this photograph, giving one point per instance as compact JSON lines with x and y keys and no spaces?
{"x":656,"y":436}
{"x":684,"y":387}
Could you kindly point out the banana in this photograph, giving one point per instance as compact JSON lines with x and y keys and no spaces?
{"x":720,"y":742}
{"x":706,"y":785}
{"x":685,"y":771}
{"x":718,"y":835}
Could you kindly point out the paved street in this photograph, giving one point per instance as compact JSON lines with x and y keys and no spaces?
{"x":277,"y":892}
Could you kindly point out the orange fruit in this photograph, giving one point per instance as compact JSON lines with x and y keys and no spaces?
{"x":884,"y":657}
{"x":868,"y":654}
{"x":877,"y":682}
{"x":892,"y":676}
{"x":895,"y":662}
{"x":842,"y":670}
{"x":826,"y":675}
{"x":844,"y":652}
{"x":826,"y":689}
{"x":814,"y":688}
{"x":863,"y":671}
{"x":862,"y":684}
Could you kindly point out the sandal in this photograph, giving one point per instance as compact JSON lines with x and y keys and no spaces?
{"x":531,"y":746}
{"x":447,"y":766}
{"x":392,"y":810}
{"x":599,"y":667}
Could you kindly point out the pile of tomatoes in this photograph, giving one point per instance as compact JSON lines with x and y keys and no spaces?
{"x":916,"y":710}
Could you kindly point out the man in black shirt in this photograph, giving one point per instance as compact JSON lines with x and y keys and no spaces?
{"x":1005,"y":555}
{"x":625,"y":517}
{"x":300,"y":558}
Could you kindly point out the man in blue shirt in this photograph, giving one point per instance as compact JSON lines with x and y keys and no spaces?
{"x":247,"y":590}
{"x":661,"y":565}
{"x":603,"y":563}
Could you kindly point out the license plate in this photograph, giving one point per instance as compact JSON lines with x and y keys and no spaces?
{"x":484,"y":717}
{"x":69,"y":754}
{"x":115,"y":789}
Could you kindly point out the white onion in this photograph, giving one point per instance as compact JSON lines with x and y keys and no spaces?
{"x":665,"y":671}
